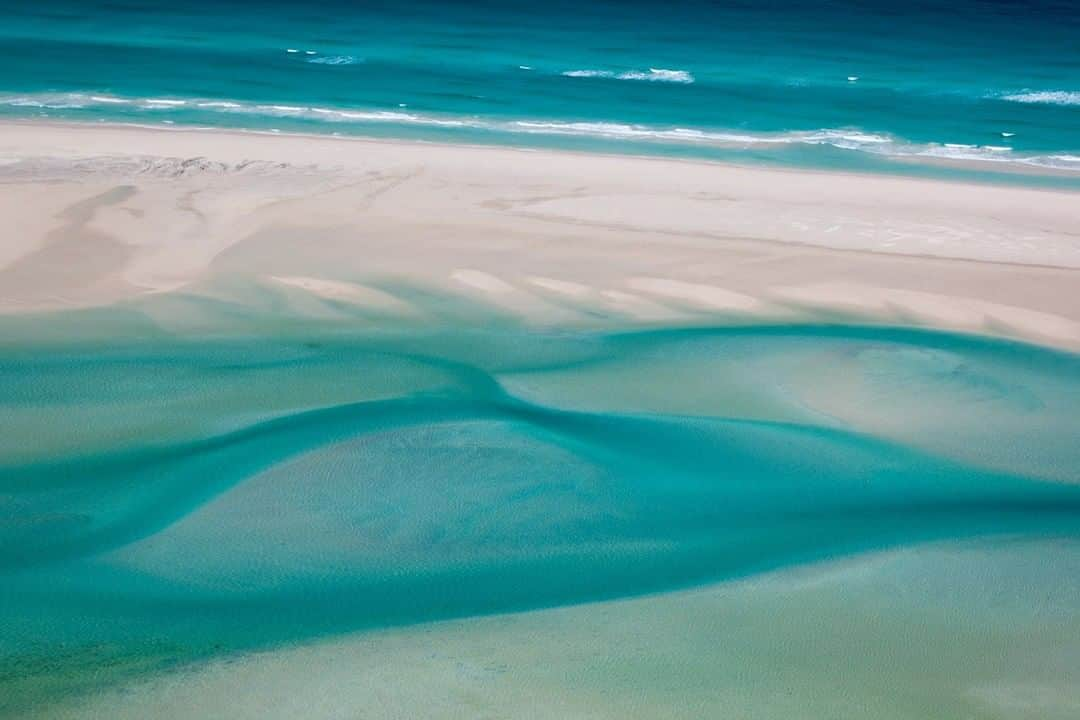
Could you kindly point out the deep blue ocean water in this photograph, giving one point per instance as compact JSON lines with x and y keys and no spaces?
{"x":857,"y":85}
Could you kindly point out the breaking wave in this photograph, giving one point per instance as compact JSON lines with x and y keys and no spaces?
{"x":1046,"y":97}
{"x":334,"y":60}
{"x":206,"y":110}
{"x":651,"y":75}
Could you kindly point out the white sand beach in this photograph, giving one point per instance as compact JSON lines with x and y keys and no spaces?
{"x":100,"y":214}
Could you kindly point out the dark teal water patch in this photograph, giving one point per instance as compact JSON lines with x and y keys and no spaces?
{"x":315,"y":486}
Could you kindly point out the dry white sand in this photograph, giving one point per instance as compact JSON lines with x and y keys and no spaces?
{"x":98,"y":214}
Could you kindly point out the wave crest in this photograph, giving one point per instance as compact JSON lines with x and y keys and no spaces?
{"x":650,"y":75}
{"x":1046,"y":97}
{"x":334,"y":60}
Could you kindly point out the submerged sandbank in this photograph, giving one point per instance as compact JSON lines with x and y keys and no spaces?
{"x":941,"y":631}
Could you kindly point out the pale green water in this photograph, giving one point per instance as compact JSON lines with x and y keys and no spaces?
{"x":965,"y":630}
{"x":171,"y":499}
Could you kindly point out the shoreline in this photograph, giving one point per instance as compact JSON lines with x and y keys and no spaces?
{"x":109,"y":213}
{"x":975,"y":172}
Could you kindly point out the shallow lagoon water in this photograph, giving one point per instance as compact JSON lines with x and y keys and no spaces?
{"x":169,"y":501}
{"x":951,"y":631}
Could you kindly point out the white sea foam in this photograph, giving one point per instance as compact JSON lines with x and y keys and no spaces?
{"x":1061,"y":162}
{"x":950,"y":152}
{"x":1046,"y":97}
{"x":357,"y":116}
{"x":651,"y":75}
{"x":281,"y":110}
{"x":659,"y":75}
{"x":55,"y":101}
{"x":625,"y":131}
{"x":388,"y":116}
{"x":849,"y":136}
{"x":991,"y":154}
{"x":849,"y":139}
{"x":334,"y":60}
{"x":588,"y":73}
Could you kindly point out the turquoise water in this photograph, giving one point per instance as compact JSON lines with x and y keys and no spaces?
{"x":167,"y":501}
{"x":870,"y":86}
